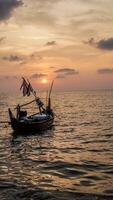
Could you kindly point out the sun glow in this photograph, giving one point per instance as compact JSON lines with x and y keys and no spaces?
{"x":44,"y":80}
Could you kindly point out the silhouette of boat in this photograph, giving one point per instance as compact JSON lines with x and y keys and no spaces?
{"x":37,"y":122}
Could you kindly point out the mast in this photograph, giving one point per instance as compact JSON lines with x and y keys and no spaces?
{"x":49,"y":96}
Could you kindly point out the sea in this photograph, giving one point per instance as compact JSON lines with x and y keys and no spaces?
{"x":75,"y":156}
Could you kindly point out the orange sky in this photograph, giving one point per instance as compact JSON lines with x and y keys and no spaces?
{"x":70,"y":41}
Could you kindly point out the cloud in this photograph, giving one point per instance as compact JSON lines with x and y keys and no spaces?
{"x":22,"y":59}
{"x":2,"y":38}
{"x":52,"y":43}
{"x":104,"y":44}
{"x":5,"y":77}
{"x":40,"y":75}
{"x":36,"y":17}
{"x":60,"y":76}
{"x":13,"y":58}
{"x":52,"y":67}
{"x":7,"y":7}
{"x":35,"y":55}
{"x":66,"y":71}
{"x":105,"y":71}
{"x":91,"y":41}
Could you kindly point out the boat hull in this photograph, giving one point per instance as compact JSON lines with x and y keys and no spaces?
{"x":22,"y":127}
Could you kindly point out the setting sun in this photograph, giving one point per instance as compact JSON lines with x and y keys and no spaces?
{"x":44,"y":80}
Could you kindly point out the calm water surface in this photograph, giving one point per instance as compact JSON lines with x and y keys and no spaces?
{"x":75,"y":155}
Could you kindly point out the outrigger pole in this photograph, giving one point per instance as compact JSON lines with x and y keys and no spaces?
{"x":26,"y":103}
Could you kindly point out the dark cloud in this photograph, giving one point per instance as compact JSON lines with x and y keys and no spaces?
{"x":52,"y":43}
{"x":52,"y":67}
{"x":105,"y":71}
{"x":2,"y":38}
{"x":22,"y":59}
{"x":66,"y":71}
{"x":5,"y":77}
{"x":60,"y":76}
{"x":40,"y":75}
{"x":104,"y":44}
{"x":91,"y":41}
{"x":35,"y":55}
{"x":13,"y":58}
{"x":7,"y":7}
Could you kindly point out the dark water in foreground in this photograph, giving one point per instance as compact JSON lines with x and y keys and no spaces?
{"x":76,"y":155}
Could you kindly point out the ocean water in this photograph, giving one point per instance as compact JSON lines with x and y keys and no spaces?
{"x":76,"y":155}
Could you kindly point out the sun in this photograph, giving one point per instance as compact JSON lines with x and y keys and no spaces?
{"x":44,"y":80}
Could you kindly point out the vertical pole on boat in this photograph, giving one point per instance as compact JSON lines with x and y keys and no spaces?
{"x":46,"y":98}
{"x":51,"y":88}
{"x":49,"y":99}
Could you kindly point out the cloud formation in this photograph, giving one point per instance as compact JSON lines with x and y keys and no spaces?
{"x":7,"y":7}
{"x":40,"y":75}
{"x":13,"y":58}
{"x":66,"y":71}
{"x":60,"y":76}
{"x":35,"y":55}
{"x":2,"y":38}
{"x":52,"y":67}
{"x":52,"y":43}
{"x":104,"y":44}
{"x":22,"y":59}
{"x":105,"y":71}
{"x":5,"y":77}
{"x":63,"y":72}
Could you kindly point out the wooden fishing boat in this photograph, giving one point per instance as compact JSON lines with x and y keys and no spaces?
{"x":37,"y":122}
{"x":31,"y":124}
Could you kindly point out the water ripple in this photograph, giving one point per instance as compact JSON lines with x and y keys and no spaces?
{"x":76,"y":155}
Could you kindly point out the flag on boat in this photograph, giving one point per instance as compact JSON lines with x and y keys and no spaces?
{"x":27,"y":88}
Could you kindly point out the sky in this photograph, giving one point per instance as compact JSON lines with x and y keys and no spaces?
{"x":69,"y":41}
